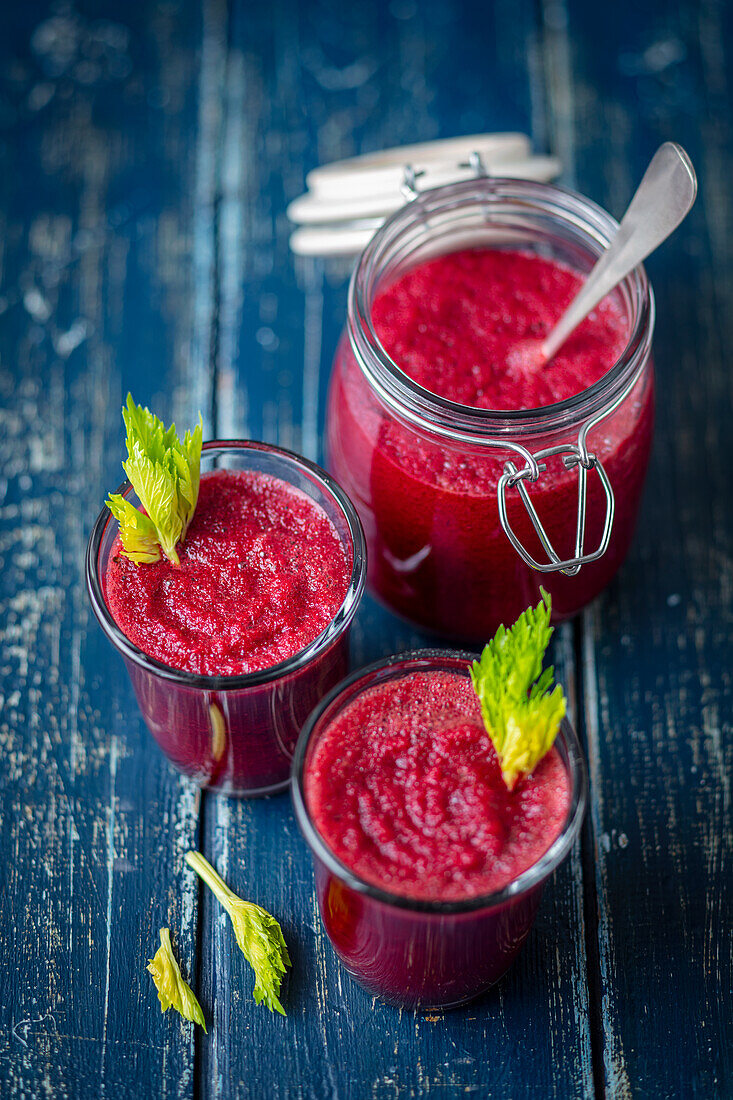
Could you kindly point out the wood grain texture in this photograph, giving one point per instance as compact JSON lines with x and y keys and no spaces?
{"x":99,"y":161}
{"x":656,"y":648}
{"x":148,"y":154}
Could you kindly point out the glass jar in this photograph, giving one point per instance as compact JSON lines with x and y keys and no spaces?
{"x":237,"y":734}
{"x":467,"y":511}
{"x":431,"y":954}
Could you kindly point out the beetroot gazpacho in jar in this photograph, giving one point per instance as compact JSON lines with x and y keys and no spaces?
{"x":448,"y":437}
{"x":436,"y":804}
{"x":229,"y":596}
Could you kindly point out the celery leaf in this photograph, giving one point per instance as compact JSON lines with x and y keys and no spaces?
{"x":165,"y":474}
{"x":257,"y":932}
{"x":173,"y":991}
{"x":521,"y":710}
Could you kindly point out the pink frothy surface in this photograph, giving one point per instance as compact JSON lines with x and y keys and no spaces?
{"x":464,"y":325}
{"x":405,"y":788}
{"x":262,"y":573}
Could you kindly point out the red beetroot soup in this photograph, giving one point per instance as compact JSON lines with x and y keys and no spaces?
{"x":457,"y":326}
{"x":404,"y":786}
{"x":262,"y":573}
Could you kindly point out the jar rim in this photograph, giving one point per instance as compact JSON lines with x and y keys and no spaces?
{"x":533,"y":876}
{"x":335,"y":629}
{"x":430,"y":410}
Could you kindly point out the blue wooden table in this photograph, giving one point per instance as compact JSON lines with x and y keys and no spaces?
{"x":147,"y":153}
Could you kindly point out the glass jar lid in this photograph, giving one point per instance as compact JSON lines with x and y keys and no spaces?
{"x":348,"y":200}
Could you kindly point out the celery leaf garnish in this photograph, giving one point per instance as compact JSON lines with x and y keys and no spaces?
{"x":165,"y":474}
{"x":521,"y":710}
{"x":173,"y":991}
{"x":258,"y":934}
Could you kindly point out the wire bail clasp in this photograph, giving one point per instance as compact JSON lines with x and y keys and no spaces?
{"x":408,"y":187}
{"x":410,"y":190}
{"x":573,"y":455}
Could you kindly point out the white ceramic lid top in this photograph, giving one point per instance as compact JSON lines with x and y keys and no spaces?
{"x":348,"y":200}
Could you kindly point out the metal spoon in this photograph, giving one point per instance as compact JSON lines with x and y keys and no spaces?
{"x":662,"y":200}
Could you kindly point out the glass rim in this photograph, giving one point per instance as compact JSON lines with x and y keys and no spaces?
{"x":425,"y":659}
{"x":339,"y":623}
{"x":421,"y":405}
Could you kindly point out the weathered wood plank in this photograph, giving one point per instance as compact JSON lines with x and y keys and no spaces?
{"x":305,"y":86}
{"x":148,"y":162}
{"x":657,"y":647}
{"x":99,"y":148}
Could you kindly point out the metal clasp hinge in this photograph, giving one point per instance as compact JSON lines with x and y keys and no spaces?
{"x":410,"y":190}
{"x":573,"y":456}
{"x":408,"y":187}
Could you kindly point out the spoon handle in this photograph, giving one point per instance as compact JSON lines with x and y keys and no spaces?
{"x":662,"y":200}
